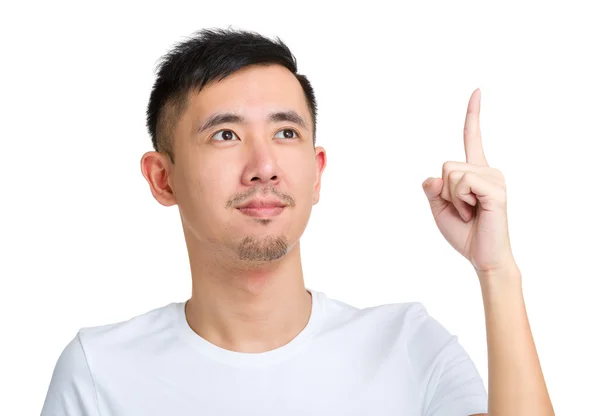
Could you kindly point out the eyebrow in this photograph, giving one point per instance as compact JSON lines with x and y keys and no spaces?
{"x":222,"y":118}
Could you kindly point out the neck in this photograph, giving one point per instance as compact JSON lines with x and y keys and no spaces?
{"x":248,"y":309}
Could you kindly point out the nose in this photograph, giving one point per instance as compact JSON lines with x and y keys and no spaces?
{"x":262,"y":167}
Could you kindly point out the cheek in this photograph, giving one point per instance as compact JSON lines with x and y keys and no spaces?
{"x":208,"y":195}
{"x":302,"y":181}
{"x":211,"y":185}
{"x":298,"y":165}
{"x":205,"y":186}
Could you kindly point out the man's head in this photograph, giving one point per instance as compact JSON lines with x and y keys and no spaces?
{"x":232,"y":123}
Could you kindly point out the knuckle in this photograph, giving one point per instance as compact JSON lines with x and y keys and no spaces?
{"x":455,"y":175}
{"x":450,"y":166}
{"x":470,"y":175}
{"x":447,"y":166}
{"x":501,"y":197}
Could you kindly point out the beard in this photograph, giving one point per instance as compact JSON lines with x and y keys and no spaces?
{"x":267,"y":248}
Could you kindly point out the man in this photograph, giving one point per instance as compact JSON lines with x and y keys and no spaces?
{"x":233,"y":126}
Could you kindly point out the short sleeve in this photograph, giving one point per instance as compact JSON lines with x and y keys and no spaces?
{"x":447,"y":378}
{"x":71,"y":391}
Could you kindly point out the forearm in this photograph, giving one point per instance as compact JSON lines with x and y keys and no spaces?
{"x":515,"y":381}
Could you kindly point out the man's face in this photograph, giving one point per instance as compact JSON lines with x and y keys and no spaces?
{"x":230,"y":164}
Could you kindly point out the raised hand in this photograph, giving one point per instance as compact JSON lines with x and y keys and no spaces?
{"x":469,"y":202}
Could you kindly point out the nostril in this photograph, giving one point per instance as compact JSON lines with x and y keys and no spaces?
{"x":256,"y":178}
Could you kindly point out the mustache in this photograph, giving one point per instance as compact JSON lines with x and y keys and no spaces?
{"x":238,"y":199}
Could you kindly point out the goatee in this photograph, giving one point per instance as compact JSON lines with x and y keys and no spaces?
{"x":268,"y":248}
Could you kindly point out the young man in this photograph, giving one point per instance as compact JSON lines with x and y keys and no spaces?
{"x":233,"y":126}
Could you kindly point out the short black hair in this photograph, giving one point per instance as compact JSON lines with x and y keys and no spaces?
{"x":207,"y":55}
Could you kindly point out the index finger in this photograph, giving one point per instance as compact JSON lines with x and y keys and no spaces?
{"x":472,"y":132}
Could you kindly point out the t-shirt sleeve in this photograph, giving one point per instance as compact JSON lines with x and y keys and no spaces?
{"x":448,"y":380}
{"x":71,"y":391}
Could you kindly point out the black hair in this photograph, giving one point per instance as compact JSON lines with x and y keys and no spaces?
{"x":211,"y":54}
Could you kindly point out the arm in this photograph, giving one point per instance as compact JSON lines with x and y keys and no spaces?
{"x":446,"y":377}
{"x":71,"y":391}
{"x":469,"y":205}
{"x":516,"y":384}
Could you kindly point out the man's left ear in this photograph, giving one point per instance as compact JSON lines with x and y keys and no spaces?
{"x":321,"y":162}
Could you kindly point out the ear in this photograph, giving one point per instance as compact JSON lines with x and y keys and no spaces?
{"x":321,"y":162}
{"x":157,"y":169}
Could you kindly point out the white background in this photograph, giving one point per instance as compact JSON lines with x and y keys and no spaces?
{"x":84,"y":243}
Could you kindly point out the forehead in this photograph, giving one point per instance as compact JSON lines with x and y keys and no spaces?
{"x":253,"y":91}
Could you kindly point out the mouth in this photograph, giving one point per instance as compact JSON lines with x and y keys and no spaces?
{"x":261,"y":211}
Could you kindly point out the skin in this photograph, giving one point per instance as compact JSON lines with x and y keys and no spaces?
{"x":469,"y":206}
{"x":248,"y":292}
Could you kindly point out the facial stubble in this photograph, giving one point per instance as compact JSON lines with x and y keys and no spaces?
{"x":266,"y":248}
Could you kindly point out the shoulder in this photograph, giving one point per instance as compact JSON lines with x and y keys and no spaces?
{"x":395,"y":323}
{"x":114,"y":335}
{"x":72,"y":361}
{"x":388,"y":310}
{"x":97,"y":349}
{"x":404,"y":317}
{"x":71,"y":386}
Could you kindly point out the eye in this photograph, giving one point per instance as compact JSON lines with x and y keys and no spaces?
{"x":287,"y":136}
{"x":227,"y":135}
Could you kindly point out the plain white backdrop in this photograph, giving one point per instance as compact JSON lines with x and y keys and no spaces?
{"x":84,"y":243}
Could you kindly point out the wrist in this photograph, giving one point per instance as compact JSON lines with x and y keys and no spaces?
{"x":509,"y":268}
{"x":501,"y":281}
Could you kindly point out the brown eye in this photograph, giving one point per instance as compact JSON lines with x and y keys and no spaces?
{"x":226,"y":135}
{"x":288,"y":133}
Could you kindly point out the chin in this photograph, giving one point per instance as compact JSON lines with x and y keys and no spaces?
{"x":263,"y":248}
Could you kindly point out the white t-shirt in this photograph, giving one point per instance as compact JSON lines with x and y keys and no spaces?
{"x":385,"y":360}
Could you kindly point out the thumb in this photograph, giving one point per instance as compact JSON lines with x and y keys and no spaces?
{"x":433,"y":189}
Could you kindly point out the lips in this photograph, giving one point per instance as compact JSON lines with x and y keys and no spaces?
{"x":262,"y":208}
{"x":263,"y":203}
